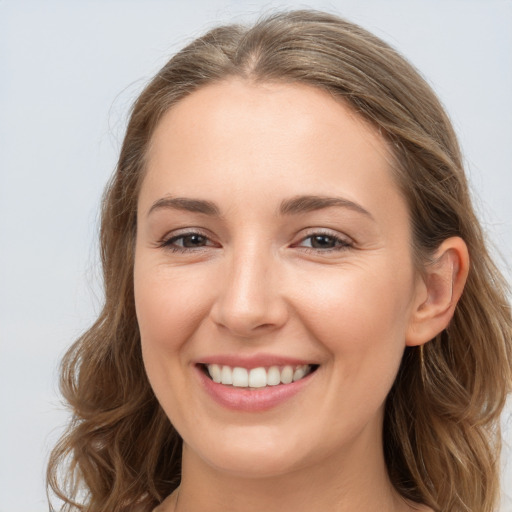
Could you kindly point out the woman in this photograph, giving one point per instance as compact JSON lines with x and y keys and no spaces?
{"x":300,"y":311}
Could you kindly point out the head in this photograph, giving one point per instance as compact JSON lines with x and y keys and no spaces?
{"x":442,"y":389}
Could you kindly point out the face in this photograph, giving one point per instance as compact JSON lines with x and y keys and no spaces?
{"x":272,"y":246}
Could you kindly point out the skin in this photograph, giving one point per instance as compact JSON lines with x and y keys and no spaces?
{"x":254,"y":284}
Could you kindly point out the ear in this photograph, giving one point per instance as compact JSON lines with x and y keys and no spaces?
{"x":438,"y":292}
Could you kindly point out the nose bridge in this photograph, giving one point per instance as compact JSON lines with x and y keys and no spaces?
{"x":249,"y":299}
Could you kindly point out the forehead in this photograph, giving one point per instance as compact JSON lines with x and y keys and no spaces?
{"x":272,"y":138}
{"x":221,"y":109}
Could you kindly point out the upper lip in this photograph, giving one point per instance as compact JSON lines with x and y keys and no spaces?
{"x":254,"y":361}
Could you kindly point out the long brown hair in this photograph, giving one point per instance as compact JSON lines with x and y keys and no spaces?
{"x":441,"y":431}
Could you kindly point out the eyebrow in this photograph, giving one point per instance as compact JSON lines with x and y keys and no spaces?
{"x":308,"y":203}
{"x":293,"y":206}
{"x":186,"y":204}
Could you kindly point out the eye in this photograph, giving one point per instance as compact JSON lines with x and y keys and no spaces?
{"x":187,"y":242}
{"x":324,"y":241}
{"x":190,"y":241}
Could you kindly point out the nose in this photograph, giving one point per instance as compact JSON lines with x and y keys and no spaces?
{"x":249,"y":301}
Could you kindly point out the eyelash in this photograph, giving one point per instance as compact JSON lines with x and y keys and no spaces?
{"x":340,"y":243}
{"x":169,"y":243}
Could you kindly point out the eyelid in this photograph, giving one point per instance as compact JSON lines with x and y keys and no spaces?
{"x":170,"y":238}
{"x":166,"y":242}
{"x":344,"y":240}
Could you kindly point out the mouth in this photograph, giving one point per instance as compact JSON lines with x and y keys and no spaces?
{"x":257,"y":378}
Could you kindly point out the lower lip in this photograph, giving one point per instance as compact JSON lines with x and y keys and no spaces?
{"x":251,"y":400}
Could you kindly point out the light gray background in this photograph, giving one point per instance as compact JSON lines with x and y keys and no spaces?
{"x":68,"y":73}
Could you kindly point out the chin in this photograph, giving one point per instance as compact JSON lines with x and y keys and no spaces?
{"x":251,"y":456}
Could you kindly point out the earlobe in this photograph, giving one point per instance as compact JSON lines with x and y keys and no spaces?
{"x":442,"y":285}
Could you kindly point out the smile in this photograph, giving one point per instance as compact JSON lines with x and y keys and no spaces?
{"x":260,"y":377}
{"x":254,"y":384}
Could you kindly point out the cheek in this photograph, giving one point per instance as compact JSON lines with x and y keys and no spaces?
{"x":362,"y":324}
{"x":361,"y":317}
{"x":360,"y":301}
{"x":168,"y":310}
{"x":167,"y":313}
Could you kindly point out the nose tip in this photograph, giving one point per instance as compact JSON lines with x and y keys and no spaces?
{"x":249,"y":302}
{"x":246,"y":325}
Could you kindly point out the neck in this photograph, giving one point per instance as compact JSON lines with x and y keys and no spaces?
{"x":352,"y":481}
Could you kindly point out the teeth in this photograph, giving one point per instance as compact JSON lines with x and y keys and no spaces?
{"x":273,"y":376}
{"x":287,"y":375}
{"x":257,"y":377}
{"x":240,"y":377}
{"x":299,"y":373}
{"x":215,"y":374}
{"x":226,"y":376}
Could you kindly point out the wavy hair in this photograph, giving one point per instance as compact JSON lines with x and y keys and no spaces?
{"x":441,"y":430}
